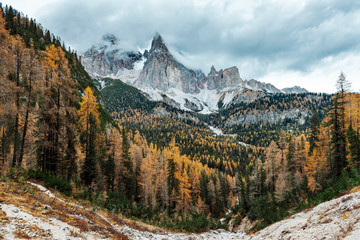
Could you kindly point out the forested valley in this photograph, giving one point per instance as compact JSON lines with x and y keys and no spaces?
{"x":55,"y":127}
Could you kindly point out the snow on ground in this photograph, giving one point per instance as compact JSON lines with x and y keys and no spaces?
{"x":244,"y":144}
{"x":128,"y":76}
{"x":206,"y":99}
{"x":217,"y":131}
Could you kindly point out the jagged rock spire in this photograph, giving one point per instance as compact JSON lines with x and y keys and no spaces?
{"x":158,"y":44}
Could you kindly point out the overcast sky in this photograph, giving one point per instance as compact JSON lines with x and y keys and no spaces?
{"x":284,"y":42}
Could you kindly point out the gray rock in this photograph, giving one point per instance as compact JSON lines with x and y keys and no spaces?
{"x":47,"y":207}
{"x":162,"y":71}
{"x":108,"y":58}
{"x":229,"y":77}
{"x":126,"y":230}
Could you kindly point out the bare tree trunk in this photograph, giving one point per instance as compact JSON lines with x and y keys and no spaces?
{"x":16,"y":125}
{"x":31,"y":73}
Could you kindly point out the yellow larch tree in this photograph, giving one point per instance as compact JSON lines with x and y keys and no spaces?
{"x":184,"y":196}
{"x":148,"y":179}
{"x":273,"y":157}
{"x":88,"y":106}
{"x":317,"y":166}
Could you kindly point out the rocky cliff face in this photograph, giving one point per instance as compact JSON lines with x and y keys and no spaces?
{"x":267,"y":87}
{"x":161,"y":71}
{"x":229,"y":77}
{"x":295,"y":89}
{"x":162,"y":78}
{"x":108,"y":59}
{"x":269,"y":116}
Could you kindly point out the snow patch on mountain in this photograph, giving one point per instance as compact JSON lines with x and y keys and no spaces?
{"x":158,"y":74}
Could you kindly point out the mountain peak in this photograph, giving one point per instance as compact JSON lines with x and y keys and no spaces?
{"x":212,"y":70}
{"x":295,"y":89}
{"x":158,"y":44}
{"x":110,"y":38}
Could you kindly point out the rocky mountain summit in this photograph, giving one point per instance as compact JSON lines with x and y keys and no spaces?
{"x":109,"y":59}
{"x":161,"y":71}
{"x":162,"y":78}
{"x":295,"y":89}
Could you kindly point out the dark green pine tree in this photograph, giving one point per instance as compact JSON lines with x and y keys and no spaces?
{"x":220,"y":194}
{"x":70,"y":156}
{"x":337,"y":157}
{"x":171,"y":180}
{"x":290,"y":160}
{"x":314,"y":129}
{"x":243,"y":194}
{"x":109,"y":170}
{"x":242,"y":180}
{"x":127,"y":175}
{"x":89,"y":171}
{"x":203,"y":186}
{"x":353,"y":138}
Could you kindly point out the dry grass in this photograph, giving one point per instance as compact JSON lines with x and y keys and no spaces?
{"x":324,"y":215}
{"x":329,"y":220}
{"x":32,"y":201}
{"x":3,"y":216}
{"x":347,"y":198}
{"x":304,"y":226}
{"x":133,"y":224}
{"x":347,"y":229}
{"x":20,"y":234}
{"x":355,"y":189}
{"x":76,"y":234}
{"x":309,"y":209}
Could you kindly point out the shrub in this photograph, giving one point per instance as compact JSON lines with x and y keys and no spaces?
{"x":51,"y":181}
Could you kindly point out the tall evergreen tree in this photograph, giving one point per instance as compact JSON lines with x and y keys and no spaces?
{"x":127,"y":174}
{"x":89,"y":170}
{"x":314,"y":129}
{"x":19,"y":48}
{"x":89,"y":124}
{"x":337,"y":127}
{"x":171,"y":180}
{"x":290,"y":161}
{"x":109,"y":170}
{"x":354,"y":146}
{"x":55,"y":103}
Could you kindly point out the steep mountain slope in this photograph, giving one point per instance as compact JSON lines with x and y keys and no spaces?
{"x":158,"y":74}
{"x":161,"y":71}
{"x":256,"y":120}
{"x":109,"y":59}
{"x":295,"y":89}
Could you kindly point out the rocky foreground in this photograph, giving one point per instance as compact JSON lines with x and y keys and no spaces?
{"x":30,"y":211}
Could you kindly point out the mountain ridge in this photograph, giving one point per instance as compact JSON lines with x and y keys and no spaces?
{"x":162,"y":78}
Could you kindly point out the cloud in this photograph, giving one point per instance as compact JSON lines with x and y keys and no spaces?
{"x":270,"y":40}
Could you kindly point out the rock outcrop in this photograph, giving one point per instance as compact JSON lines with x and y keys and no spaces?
{"x":162,"y":78}
{"x":161,"y":71}
{"x":108,"y":59}
{"x":229,"y":77}
{"x":295,"y":89}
